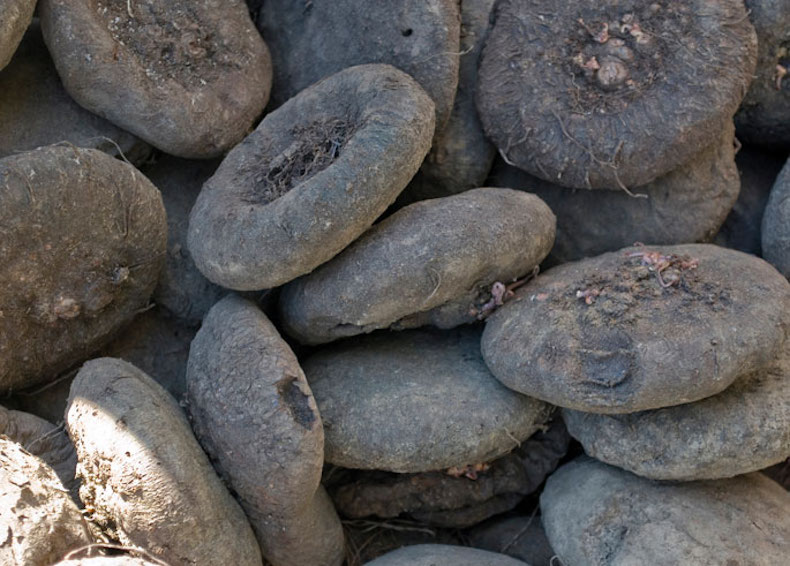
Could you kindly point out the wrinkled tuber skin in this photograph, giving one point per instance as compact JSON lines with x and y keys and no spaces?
{"x":641,"y":328}
{"x":776,"y":224}
{"x":15,"y":16}
{"x":764,"y":116}
{"x":428,"y":263}
{"x":416,"y":401}
{"x":419,"y":37}
{"x":190,"y":79}
{"x":461,"y":156}
{"x":313,"y":176}
{"x":684,"y":206}
{"x":35,"y":109}
{"x":45,"y":440}
{"x":742,"y":429}
{"x":272,"y":451}
{"x":612,"y":93}
{"x":144,"y":476}
{"x":599,"y":514}
{"x":39,"y":521}
{"x":82,"y":242}
{"x":182,"y":290}
{"x":443,"y":555}
{"x":454,"y":498}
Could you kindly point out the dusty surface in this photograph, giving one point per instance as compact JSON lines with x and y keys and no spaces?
{"x":145,"y":479}
{"x":443,"y":555}
{"x":39,"y":521}
{"x":35,"y":109}
{"x":311,"y":40}
{"x":82,"y":242}
{"x":416,"y":401}
{"x":272,"y":451}
{"x":242,"y":239}
{"x":640,"y":328}
{"x":433,"y":262}
{"x":521,"y":537}
{"x":684,"y":206}
{"x":457,"y":497}
{"x":743,"y":429}
{"x":599,"y":515}
{"x":188,"y":78}
{"x":601,"y":86}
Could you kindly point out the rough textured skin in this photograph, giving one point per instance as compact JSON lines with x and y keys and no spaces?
{"x":599,"y":515}
{"x":444,"y":500}
{"x":684,"y":206}
{"x":776,"y":224}
{"x":35,"y":109}
{"x":44,"y":440}
{"x":246,"y":235}
{"x":189,"y":78}
{"x":159,"y":346}
{"x":182,"y":289}
{"x":433,"y":262}
{"x":636,"y":345}
{"x":558,"y":121}
{"x":82,"y":241}
{"x":443,"y":555}
{"x":758,"y":170}
{"x":15,"y":16}
{"x":461,"y":156}
{"x":521,"y":537}
{"x":416,"y":401}
{"x":764,"y":117}
{"x":38,"y":519}
{"x":144,"y":475}
{"x":108,"y":561}
{"x":743,"y":429}
{"x":310,"y":41}
{"x":272,"y":451}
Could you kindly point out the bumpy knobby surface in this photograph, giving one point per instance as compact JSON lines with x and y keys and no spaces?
{"x":144,"y":476}
{"x":640,"y":328}
{"x":603,"y":516}
{"x":39,"y":521}
{"x":684,"y":206}
{"x":764,"y":116}
{"x":776,"y":223}
{"x":742,"y":228}
{"x":461,"y":156}
{"x":15,"y":16}
{"x":311,"y":178}
{"x":416,"y":401}
{"x":272,"y":450}
{"x":35,"y":109}
{"x":443,"y":555}
{"x":182,"y":289}
{"x":612,"y":93}
{"x":82,"y":242}
{"x":457,"y":497}
{"x":188,"y":77}
{"x":312,"y":40}
{"x":521,"y":537}
{"x":44,"y":440}
{"x":743,"y":429}
{"x":433,"y":262}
